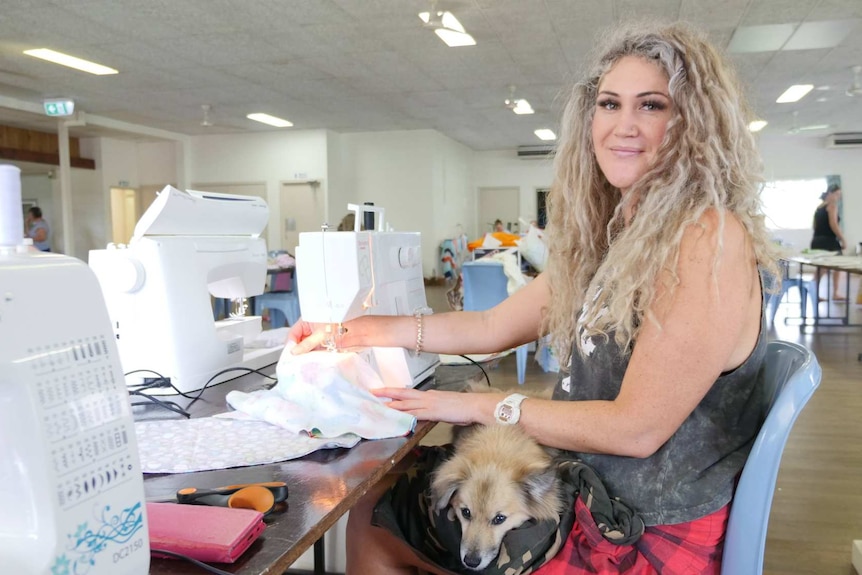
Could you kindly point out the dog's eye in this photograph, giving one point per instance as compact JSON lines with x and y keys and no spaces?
{"x":465,"y":513}
{"x":498,"y":519}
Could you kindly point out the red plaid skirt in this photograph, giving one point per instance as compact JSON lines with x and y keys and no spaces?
{"x":683,"y":549}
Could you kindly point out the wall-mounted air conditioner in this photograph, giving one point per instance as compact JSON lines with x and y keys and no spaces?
{"x":536,"y":152}
{"x":844,"y":140}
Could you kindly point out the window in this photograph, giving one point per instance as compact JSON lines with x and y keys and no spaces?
{"x":790,"y":204}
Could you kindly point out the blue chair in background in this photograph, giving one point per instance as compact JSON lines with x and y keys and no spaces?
{"x":283,"y":306}
{"x":791,"y":374}
{"x":484,"y":287}
{"x":806,"y":286}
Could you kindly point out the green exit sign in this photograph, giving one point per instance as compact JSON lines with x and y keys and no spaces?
{"x":59,"y":107}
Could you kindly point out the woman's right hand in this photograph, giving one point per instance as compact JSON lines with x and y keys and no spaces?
{"x":305,"y":336}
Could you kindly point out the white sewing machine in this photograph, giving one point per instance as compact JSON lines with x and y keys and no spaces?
{"x":71,"y":486}
{"x":343,"y":275}
{"x":187,"y":246}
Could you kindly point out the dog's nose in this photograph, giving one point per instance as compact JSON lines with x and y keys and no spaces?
{"x":472,"y":560}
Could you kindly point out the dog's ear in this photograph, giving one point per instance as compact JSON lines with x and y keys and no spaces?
{"x":446,"y":481}
{"x":539,"y":484}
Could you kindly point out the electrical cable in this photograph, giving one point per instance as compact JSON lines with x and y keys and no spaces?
{"x":477,"y":364}
{"x":200,"y":564}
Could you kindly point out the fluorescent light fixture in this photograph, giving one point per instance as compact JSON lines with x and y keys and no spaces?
{"x":545,"y":134}
{"x":522,"y":107}
{"x":765,"y":38}
{"x":814,"y":127}
{"x":70,"y":61}
{"x":820,"y":35}
{"x":448,"y":29}
{"x":757,"y":125}
{"x":794,"y":93}
{"x":271,"y":120}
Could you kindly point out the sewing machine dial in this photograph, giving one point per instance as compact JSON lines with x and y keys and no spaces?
{"x":408,"y":256}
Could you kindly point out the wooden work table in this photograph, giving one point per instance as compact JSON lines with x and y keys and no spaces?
{"x":322,"y":486}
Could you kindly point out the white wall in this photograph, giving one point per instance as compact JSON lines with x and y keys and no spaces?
{"x":504,"y":169}
{"x":421,"y":178}
{"x":270,"y":157}
{"x":794,"y":157}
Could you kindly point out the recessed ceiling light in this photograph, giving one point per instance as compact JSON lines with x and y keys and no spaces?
{"x":70,"y":61}
{"x":757,"y":125}
{"x":545,"y":134}
{"x":270,"y":120}
{"x":522,"y":107}
{"x":794,"y":93}
{"x":448,"y":28}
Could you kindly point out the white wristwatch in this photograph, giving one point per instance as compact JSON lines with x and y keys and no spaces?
{"x":508,"y":411}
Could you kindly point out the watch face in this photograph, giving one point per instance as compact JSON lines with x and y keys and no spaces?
{"x":506,"y":412}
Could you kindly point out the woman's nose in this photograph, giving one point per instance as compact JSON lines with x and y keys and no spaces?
{"x":626,"y":125}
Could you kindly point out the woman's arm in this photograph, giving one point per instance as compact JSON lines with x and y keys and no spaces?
{"x":710,"y":326}
{"x":832,"y":210}
{"x":514,"y":321}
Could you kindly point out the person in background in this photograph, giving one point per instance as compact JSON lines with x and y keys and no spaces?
{"x":653,"y":300}
{"x":38,"y":230}
{"x":498,"y":226}
{"x":828,"y":235}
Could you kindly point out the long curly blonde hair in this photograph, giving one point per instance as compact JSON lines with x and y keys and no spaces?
{"x":707,"y":160}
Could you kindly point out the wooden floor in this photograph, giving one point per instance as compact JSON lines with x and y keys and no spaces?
{"x":817,"y":507}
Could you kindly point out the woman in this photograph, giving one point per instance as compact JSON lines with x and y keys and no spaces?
{"x":38,"y":230}
{"x":827,"y":232}
{"x":653,"y":299}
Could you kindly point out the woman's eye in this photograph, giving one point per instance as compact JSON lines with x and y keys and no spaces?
{"x":654,"y":106}
{"x":607,"y":104}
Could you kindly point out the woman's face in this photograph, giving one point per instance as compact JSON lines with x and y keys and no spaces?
{"x":633,"y":107}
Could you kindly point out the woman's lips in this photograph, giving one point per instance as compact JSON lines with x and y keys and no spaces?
{"x":625,"y":152}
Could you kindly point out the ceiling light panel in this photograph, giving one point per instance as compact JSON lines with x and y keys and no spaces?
{"x":522,"y":107}
{"x":794,"y":93}
{"x":757,"y":125}
{"x":765,"y":38}
{"x":815,"y":35}
{"x":269,"y":120}
{"x":545,"y":134}
{"x":70,"y":61}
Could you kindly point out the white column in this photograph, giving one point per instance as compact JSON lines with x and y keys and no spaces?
{"x":65,"y":186}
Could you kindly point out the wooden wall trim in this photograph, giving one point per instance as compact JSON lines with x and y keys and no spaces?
{"x":44,"y":158}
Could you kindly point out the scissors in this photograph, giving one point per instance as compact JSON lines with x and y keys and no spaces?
{"x":258,"y":496}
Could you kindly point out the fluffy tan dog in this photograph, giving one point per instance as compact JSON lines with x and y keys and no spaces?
{"x":497,"y":479}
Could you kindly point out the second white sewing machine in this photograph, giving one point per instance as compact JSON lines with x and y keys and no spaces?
{"x":343,"y":275}
{"x":187,"y":246}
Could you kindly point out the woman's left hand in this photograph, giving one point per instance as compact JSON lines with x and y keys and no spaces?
{"x":452,"y":407}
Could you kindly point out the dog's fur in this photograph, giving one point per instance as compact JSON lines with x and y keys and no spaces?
{"x":497,"y":479}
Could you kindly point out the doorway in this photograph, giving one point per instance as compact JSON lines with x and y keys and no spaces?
{"x":303,"y":209}
{"x":499,"y":204}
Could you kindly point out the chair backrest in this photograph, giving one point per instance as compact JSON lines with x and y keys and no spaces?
{"x":484,"y":285}
{"x":791,"y":374}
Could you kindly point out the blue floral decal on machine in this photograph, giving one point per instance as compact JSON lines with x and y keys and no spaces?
{"x":86,"y":543}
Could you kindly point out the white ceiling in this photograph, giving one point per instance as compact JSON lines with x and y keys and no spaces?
{"x":368,"y":65}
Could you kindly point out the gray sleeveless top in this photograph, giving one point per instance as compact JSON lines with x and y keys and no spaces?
{"x":693,"y":473}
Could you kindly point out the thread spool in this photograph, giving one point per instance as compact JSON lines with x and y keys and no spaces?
{"x":11,"y":222}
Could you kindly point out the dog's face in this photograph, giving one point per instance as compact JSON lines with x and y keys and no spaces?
{"x":491,"y":495}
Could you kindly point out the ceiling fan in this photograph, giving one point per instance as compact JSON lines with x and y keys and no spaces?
{"x":446,"y":26}
{"x":795,"y":128}
{"x":517,"y":105}
{"x":206,"y":122}
{"x":855,"y":88}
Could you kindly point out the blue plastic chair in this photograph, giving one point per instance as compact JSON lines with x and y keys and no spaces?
{"x":485,"y":287}
{"x":283,"y":306}
{"x":807,"y":290}
{"x":791,"y":375}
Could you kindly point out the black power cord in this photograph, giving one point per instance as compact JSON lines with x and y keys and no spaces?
{"x":200,"y":564}
{"x":477,"y":364}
